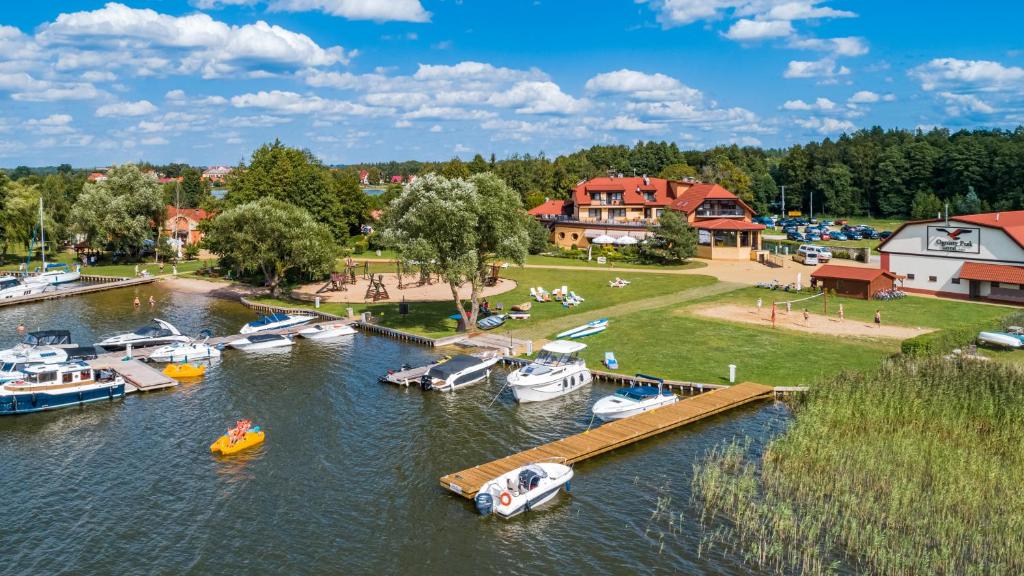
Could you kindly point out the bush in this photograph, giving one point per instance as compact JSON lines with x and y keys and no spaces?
{"x":360,"y":246}
{"x":943,"y":341}
{"x":191,"y":251}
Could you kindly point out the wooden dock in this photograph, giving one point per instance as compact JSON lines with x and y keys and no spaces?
{"x":610,"y":436}
{"x":97,"y":284}
{"x":138,"y":376}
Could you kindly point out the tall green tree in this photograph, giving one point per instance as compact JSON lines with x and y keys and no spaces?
{"x":925,"y":205}
{"x":836,"y":185}
{"x":672,"y":241}
{"x":456,"y":228}
{"x":678,"y":171}
{"x":118,"y":213}
{"x":271,"y":237}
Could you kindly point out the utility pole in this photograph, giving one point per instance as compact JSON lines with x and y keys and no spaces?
{"x":783,"y":202}
{"x":812,"y":204}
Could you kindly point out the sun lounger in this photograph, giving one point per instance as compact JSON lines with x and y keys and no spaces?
{"x":576,"y":298}
{"x":610,"y":361}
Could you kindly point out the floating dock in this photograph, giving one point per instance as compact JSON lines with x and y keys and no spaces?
{"x":610,"y":436}
{"x":138,"y":377}
{"x":96,"y":284}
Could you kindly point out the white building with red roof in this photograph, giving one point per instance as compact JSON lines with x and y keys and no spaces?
{"x":976,"y":256}
{"x":629,"y":206}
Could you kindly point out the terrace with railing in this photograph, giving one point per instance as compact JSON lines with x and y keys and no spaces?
{"x":635,"y":222}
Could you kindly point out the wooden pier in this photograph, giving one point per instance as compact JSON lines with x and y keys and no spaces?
{"x":610,"y":436}
{"x":96,"y":284}
{"x":138,"y":377}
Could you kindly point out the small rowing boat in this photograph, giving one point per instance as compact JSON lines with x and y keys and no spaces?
{"x":585,"y":330}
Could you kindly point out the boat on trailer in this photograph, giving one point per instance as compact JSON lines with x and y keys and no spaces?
{"x":523,"y":489}
{"x":557,"y":371}
{"x":634,"y":400}
{"x":457,"y":372}
{"x":52,"y":386}
{"x":275,"y":321}
{"x":261,"y":342}
{"x":1012,"y":338}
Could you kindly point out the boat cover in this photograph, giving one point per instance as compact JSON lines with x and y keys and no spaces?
{"x":81,"y":353}
{"x":264,"y":337}
{"x":641,"y":392}
{"x":276,"y":317}
{"x":48,"y":338}
{"x":456,"y":364}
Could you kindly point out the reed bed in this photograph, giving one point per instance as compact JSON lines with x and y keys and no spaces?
{"x":916,"y":468}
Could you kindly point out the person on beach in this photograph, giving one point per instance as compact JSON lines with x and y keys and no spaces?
{"x":136,"y":269}
{"x":174,"y":269}
{"x":136,"y":303}
{"x":161,"y":267}
{"x":878,"y":318}
{"x":807,"y":316}
{"x":759,"y":304}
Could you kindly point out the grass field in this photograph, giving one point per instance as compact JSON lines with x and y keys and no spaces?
{"x":105,"y":268}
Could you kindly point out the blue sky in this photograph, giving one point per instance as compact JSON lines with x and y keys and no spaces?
{"x":207,"y":81}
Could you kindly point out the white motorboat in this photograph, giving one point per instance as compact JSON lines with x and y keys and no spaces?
{"x":275,"y":321}
{"x":14,"y":364}
{"x":634,"y":400}
{"x":325,"y":331}
{"x":1013,"y":338}
{"x":261,"y":342}
{"x":557,"y":371}
{"x":47,"y":387}
{"x":158,"y":333}
{"x":522,"y":489}
{"x":11,"y":287}
{"x":184,"y":352}
{"x":457,"y":372}
{"x":56,"y":273}
{"x":585,"y":330}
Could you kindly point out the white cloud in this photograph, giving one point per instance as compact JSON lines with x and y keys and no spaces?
{"x":681,"y":12}
{"x":805,"y":10}
{"x":846,"y":46}
{"x":140,"y":108}
{"x":403,"y":124}
{"x":642,"y":86}
{"x":206,"y":45}
{"x":538,"y":98}
{"x":99,"y":76}
{"x":959,"y":104}
{"x":824,"y":68}
{"x":865,"y":97}
{"x":823,"y":104}
{"x":154,"y":141}
{"x":825,"y":125}
{"x":293,"y":103}
{"x":984,"y":75}
{"x":436,"y":128}
{"x":258,"y":121}
{"x":376,"y":10}
{"x":796,"y":105}
{"x":745,"y":141}
{"x":460,"y":149}
{"x":52,"y":124}
{"x":175,"y":95}
{"x":469,"y":70}
{"x":21,"y":81}
{"x":750,"y":30}
{"x":447,"y":113}
{"x":630,"y":123}
{"x":59,"y":92}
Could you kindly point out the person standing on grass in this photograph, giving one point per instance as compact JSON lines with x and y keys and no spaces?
{"x":807,"y":316}
{"x":878,"y":318}
{"x":759,"y":304}
{"x":842,"y":315}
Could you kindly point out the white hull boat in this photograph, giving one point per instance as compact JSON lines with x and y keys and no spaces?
{"x":628,"y":402}
{"x":1003,"y":339}
{"x":11,"y":287}
{"x":585,"y":330}
{"x":261,"y":342}
{"x":325,"y":331}
{"x":159,"y":333}
{"x":523,"y":489}
{"x":457,"y":372}
{"x":557,"y":371}
{"x":56,"y":274}
{"x":275,"y":322}
{"x":14,"y":361}
{"x":184,"y":352}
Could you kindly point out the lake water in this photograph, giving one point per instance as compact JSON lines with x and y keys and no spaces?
{"x":347,"y":481}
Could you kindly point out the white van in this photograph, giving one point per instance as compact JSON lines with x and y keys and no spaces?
{"x":809,"y":255}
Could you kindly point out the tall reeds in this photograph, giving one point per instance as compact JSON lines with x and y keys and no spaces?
{"x":917,"y":468}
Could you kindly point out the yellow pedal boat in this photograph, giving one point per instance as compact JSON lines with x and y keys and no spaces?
{"x":184,"y":370}
{"x":224,"y":446}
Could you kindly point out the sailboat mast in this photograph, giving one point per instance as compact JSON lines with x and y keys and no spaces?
{"x":42,"y":233}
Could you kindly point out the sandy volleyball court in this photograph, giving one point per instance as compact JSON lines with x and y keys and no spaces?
{"x":816,"y":323}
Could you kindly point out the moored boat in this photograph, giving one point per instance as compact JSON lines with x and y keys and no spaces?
{"x":557,"y":371}
{"x":11,"y":287}
{"x":261,"y":342}
{"x":158,"y":333}
{"x":327,"y":330}
{"x":275,"y":321}
{"x":458,"y":372}
{"x":523,"y":489}
{"x":185,"y":351}
{"x":56,"y":273}
{"x":48,"y":387}
{"x":633,"y":400}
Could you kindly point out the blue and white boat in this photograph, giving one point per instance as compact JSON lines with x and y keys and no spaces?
{"x":523,"y":489}
{"x":12,"y":366}
{"x":56,"y":273}
{"x":634,"y":400}
{"x":275,"y":321}
{"x":11,"y":287}
{"x":587,"y":329}
{"x":159,"y":333}
{"x":52,"y":386}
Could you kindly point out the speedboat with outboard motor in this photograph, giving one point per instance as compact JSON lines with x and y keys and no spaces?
{"x":634,"y":400}
{"x":158,"y":333}
{"x":457,"y":372}
{"x":56,"y":273}
{"x":11,"y":287}
{"x":522,"y":489}
{"x":52,"y":386}
{"x":275,"y":321}
{"x":325,"y":331}
{"x":261,"y":342}
{"x":557,"y":371}
{"x":185,"y":352}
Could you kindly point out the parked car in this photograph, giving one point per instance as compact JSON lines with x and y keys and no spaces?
{"x":884,"y":234}
{"x":812,"y":237}
{"x":826,"y":235}
{"x":795,"y":236}
{"x":824,"y":253}
{"x":807,"y":255}
{"x":868,"y":232}
{"x":838,"y":236}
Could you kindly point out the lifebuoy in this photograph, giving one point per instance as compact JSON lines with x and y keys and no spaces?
{"x":505,"y":498}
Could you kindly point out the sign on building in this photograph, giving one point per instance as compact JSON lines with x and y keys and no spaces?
{"x":954,"y":239}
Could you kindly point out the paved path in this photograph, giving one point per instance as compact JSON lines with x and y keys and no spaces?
{"x":544,"y":328}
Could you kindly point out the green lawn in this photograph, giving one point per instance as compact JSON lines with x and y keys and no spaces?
{"x":541,"y":260}
{"x":912,"y":311}
{"x":105,"y":268}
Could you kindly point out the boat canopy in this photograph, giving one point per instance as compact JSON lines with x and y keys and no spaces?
{"x":563,"y":347}
{"x":270,"y":319}
{"x":264,"y":338}
{"x":56,"y":265}
{"x":641,"y":392}
{"x":455,"y":364}
{"x":152,"y":331}
{"x":48,"y":338}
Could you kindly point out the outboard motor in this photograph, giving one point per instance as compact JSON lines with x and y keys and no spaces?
{"x":484,"y":503}
{"x":426,"y":382}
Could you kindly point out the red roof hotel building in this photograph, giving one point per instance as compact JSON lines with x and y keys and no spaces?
{"x":628,"y":206}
